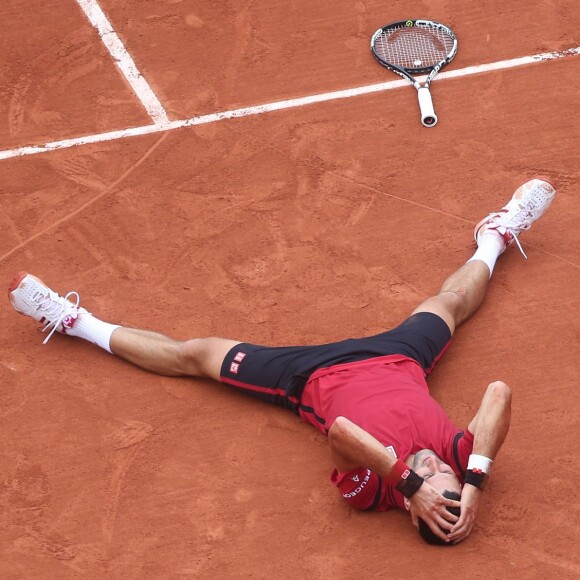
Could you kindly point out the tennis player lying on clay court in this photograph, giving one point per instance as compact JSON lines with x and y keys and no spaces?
{"x":392,"y":445}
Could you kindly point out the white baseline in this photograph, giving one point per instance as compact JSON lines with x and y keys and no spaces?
{"x":124,"y":61}
{"x":280,"y":105}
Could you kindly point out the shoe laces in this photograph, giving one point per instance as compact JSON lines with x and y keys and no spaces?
{"x":55,"y":309}
{"x":519,"y":246}
{"x":514,"y":224}
{"x":522,"y":217}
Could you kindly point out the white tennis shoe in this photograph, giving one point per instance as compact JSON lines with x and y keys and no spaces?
{"x":529,"y":202}
{"x":30,"y":296}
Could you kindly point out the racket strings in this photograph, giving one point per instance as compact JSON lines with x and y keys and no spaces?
{"x":414,"y":47}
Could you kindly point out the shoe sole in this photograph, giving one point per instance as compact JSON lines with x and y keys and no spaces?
{"x":16,"y":281}
{"x":545,"y":178}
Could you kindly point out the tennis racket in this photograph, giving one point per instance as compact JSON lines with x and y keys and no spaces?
{"x":412,"y":47}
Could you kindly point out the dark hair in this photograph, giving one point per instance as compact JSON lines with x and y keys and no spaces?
{"x":425,"y":531}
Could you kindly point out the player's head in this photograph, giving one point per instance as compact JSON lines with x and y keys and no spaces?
{"x":435,"y":471}
{"x":439,"y":475}
{"x":425,"y":531}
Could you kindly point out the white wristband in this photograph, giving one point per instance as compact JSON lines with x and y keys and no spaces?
{"x":479,"y":462}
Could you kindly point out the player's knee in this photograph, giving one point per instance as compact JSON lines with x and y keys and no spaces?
{"x":459,"y":299}
{"x":191,"y":355}
{"x":500,"y":390}
{"x":202,"y":357}
{"x":455,"y":303}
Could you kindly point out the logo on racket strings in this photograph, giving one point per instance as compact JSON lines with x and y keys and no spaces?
{"x":409,"y":23}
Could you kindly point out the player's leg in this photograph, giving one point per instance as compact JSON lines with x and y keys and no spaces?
{"x":463,"y":292}
{"x":273,"y":374}
{"x":198,"y":357}
{"x":149,"y":350}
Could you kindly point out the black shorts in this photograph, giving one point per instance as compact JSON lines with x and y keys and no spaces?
{"x":278,"y":374}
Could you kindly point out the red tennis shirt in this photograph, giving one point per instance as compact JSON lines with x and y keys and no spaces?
{"x":388,"y":397}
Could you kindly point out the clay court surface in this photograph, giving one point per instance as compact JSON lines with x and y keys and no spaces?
{"x":306,"y":225}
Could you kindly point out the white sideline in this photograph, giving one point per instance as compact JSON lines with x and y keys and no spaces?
{"x":279,"y":105}
{"x":124,"y":61}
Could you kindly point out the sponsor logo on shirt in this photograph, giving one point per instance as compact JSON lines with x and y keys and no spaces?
{"x":362,"y":485}
{"x":240,"y":356}
{"x":391,"y":450}
{"x":234,"y":368}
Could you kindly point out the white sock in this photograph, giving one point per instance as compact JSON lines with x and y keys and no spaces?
{"x":489,"y":248}
{"x":94,"y":330}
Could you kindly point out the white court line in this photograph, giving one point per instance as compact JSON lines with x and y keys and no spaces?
{"x":124,"y":61}
{"x":280,"y":105}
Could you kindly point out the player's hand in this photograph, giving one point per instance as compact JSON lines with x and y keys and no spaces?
{"x":429,"y":505}
{"x":470,"y":499}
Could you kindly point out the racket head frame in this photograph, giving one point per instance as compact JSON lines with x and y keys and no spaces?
{"x":408,"y":72}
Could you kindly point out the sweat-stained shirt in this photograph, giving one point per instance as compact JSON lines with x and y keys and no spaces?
{"x":388,"y":397}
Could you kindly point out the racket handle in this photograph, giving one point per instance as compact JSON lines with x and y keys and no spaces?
{"x":428,"y":116}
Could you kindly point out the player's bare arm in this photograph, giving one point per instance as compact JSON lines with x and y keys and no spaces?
{"x":351,"y":447}
{"x":489,"y":427}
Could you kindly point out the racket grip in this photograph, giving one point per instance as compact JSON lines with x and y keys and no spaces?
{"x":428,"y":116}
